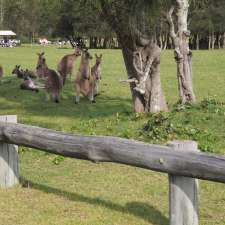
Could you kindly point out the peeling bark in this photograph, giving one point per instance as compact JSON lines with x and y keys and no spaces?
{"x":143,"y":66}
{"x":183,"y":55}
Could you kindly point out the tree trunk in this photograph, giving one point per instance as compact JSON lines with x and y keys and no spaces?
{"x":213,"y":40}
{"x":138,"y":100}
{"x":106,"y":42}
{"x":210,"y":42}
{"x":160,"y":41}
{"x":197,"y":42}
{"x":219,"y":41}
{"x":147,"y":93}
{"x":165,"y":41}
{"x":183,"y":54}
{"x":224,"y":40}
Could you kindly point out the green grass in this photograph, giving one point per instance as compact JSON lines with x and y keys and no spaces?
{"x":65,"y":191}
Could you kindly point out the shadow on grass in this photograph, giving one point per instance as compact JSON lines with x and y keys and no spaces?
{"x":138,"y":209}
{"x":35,"y":104}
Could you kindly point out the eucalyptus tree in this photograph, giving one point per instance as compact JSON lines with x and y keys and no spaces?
{"x":131,"y":20}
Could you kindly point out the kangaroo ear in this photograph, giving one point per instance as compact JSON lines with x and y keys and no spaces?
{"x":100,"y":55}
{"x":96,"y":55}
{"x":42,"y":53}
{"x":18,"y":66}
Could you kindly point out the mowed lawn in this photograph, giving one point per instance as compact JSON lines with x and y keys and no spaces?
{"x":58,"y":191}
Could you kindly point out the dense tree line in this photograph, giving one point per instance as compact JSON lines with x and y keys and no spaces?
{"x":59,"y":18}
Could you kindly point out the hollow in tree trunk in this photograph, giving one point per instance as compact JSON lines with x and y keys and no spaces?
{"x":183,"y":54}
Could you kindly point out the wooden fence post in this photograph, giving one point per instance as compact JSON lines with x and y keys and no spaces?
{"x":183,"y":192}
{"x":9,"y":163}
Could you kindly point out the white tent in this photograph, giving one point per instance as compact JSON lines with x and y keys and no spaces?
{"x":7,"y":33}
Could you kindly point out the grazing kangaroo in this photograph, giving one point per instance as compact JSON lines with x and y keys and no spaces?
{"x":66,"y":64}
{"x":53,"y":83}
{"x":85,"y":82}
{"x":28,"y":84}
{"x":18,"y":72}
{"x":96,"y":72}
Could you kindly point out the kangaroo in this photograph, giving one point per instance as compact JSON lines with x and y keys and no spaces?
{"x":18,"y":72}
{"x":28,"y":84}
{"x":96,"y":72}
{"x":53,"y":83}
{"x":31,"y":74}
{"x":84,"y":82}
{"x":66,"y":64}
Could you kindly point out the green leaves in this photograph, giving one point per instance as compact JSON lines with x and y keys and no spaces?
{"x":181,"y":124}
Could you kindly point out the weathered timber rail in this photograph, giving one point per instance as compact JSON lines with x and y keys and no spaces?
{"x":180,"y":159}
{"x":117,"y":150}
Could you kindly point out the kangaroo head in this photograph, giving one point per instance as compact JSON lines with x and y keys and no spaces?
{"x":86,"y":55}
{"x":41,"y":65}
{"x":26,"y":75}
{"x":98,"y":59}
{"x":16,"y":69}
{"x":77,"y":52}
{"x":41,"y":60}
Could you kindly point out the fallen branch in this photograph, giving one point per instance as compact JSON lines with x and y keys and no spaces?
{"x":132,"y":80}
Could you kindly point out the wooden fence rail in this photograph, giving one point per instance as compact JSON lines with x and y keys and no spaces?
{"x":180,"y":159}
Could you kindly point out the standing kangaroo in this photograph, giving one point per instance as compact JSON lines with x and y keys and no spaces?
{"x":53,"y":83}
{"x":84,"y":82}
{"x":66,"y":64}
{"x":96,"y":72}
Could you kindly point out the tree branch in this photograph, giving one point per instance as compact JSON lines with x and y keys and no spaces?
{"x":170,"y":22}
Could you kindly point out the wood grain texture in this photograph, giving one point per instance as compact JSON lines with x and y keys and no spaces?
{"x":9,"y":169}
{"x":183,"y":192}
{"x":117,"y":150}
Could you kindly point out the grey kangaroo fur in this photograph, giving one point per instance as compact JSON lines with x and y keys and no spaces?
{"x":85,"y":82}
{"x":53,"y":84}
{"x":20,"y":73}
{"x":66,"y":64}
{"x":28,"y":84}
{"x":96,"y":72}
